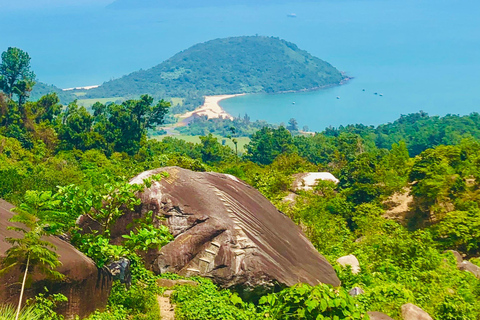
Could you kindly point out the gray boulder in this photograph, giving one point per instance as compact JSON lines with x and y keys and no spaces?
{"x":356,"y":291}
{"x":412,"y":312}
{"x":227,"y":231}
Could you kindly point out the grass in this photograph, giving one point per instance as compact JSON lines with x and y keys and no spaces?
{"x":7,"y":312}
{"x":176,"y":101}
{"x":242,"y":141}
{"x":90,"y":102}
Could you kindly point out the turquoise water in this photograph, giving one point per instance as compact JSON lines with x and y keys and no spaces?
{"x":420,"y":54}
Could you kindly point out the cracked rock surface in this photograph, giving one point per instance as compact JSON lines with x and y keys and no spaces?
{"x":226,"y":230}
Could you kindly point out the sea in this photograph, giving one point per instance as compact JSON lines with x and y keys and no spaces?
{"x":403,"y":55}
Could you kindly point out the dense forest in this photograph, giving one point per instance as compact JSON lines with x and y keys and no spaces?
{"x":56,"y":163}
{"x":226,"y":66}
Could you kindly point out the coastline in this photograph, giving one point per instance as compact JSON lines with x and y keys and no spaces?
{"x":211,"y":108}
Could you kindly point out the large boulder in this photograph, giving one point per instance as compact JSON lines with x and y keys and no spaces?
{"x":86,"y":287}
{"x":412,"y":312}
{"x":226,"y":230}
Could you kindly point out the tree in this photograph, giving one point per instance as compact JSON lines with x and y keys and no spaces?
{"x":15,"y":74}
{"x":267,"y":143}
{"x":212,"y":151}
{"x":30,"y":252}
{"x":292,"y":125}
{"x":124,"y":126}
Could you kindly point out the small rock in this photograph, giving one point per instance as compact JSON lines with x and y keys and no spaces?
{"x":470,"y":267}
{"x":351,"y":261}
{"x":412,"y":312}
{"x":457,"y":256}
{"x":167,"y":283}
{"x":120,"y":270}
{"x":308,"y":180}
{"x":356,"y":291}
{"x":374,"y":315}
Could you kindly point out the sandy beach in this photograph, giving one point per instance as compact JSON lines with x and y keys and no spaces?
{"x":211,"y":108}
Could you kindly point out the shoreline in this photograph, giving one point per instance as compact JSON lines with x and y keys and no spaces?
{"x":211,"y":108}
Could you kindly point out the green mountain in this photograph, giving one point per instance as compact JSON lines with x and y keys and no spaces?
{"x":250,"y":64}
{"x":40,"y":89}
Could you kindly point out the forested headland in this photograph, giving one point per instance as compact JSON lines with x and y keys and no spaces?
{"x":226,"y":66}
{"x":57,"y":163}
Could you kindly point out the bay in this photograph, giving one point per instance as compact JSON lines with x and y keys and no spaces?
{"x":421,"y":55}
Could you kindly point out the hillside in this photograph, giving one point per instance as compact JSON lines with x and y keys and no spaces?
{"x":40,"y":89}
{"x":251,"y":64}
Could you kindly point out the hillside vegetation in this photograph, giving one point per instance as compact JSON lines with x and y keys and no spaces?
{"x":58,"y":163}
{"x":226,"y":66}
{"x":40,"y":89}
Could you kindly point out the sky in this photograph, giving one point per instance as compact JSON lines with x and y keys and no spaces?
{"x":31,"y":4}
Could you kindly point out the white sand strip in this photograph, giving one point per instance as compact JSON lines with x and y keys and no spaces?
{"x":211,"y":107}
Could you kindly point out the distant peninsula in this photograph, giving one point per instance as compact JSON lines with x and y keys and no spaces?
{"x":40,"y":89}
{"x":247,"y":64}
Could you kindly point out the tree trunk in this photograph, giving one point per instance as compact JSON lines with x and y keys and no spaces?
{"x":23,"y":288}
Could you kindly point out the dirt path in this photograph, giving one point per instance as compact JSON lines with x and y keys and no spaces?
{"x":167,"y":310}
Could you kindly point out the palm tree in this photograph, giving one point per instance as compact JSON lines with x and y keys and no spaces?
{"x":30,"y":252}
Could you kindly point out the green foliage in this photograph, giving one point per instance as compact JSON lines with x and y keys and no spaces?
{"x":206,"y":301}
{"x":112,"y":127}
{"x":460,"y":230}
{"x":266,"y":144}
{"x":16,"y":78}
{"x":30,"y":251}
{"x":7,"y":312}
{"x":45,"y":304}
{"x":419,"y":131}
{"x":212,"y":151}
{"x":222,"y":127}
{"x":41,"y":89}
{"x":147,"y":237}
{"x":306,"y":302}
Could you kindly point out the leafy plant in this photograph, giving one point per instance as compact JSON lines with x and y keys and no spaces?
{"x":30,"y":252}
{"x":306,"y":302}
{"x":45,"y":304}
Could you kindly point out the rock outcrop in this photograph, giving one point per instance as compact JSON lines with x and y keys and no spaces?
{"x":86,"y":287}
{"x":226,"y":230}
